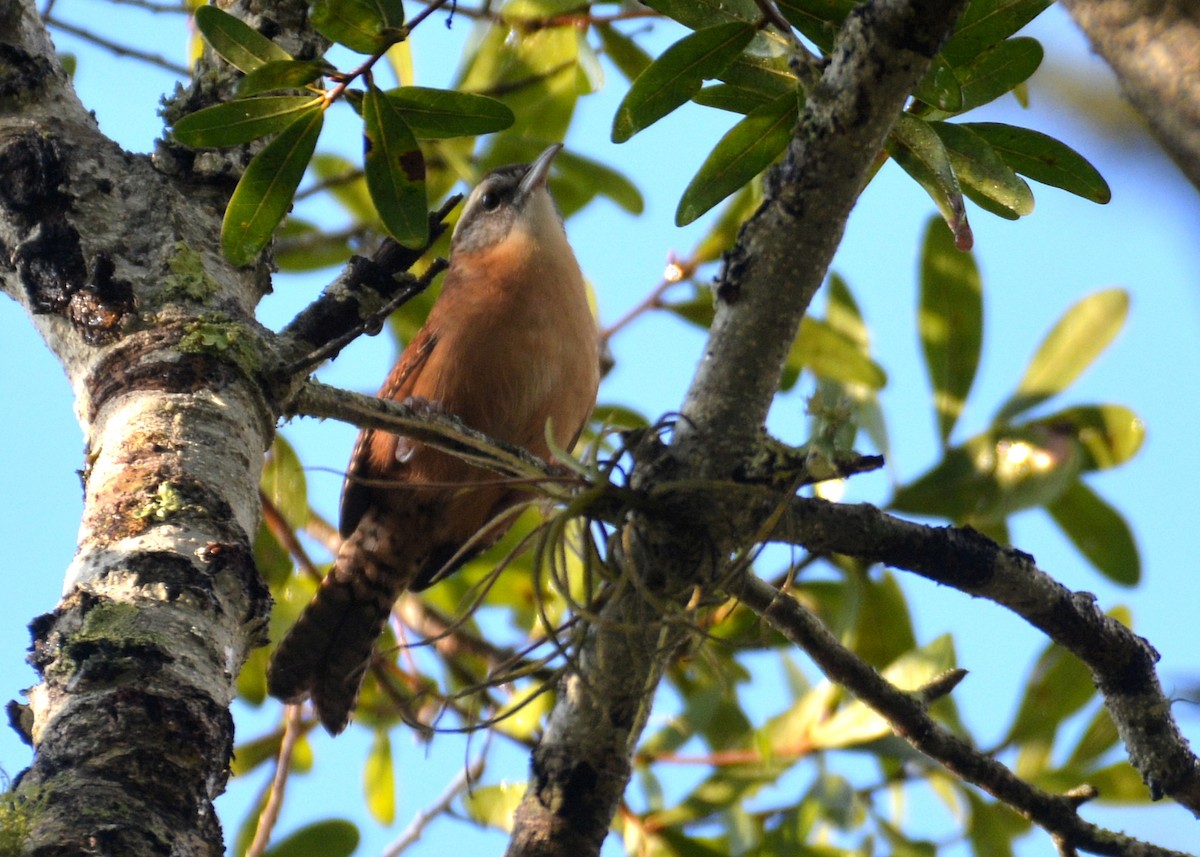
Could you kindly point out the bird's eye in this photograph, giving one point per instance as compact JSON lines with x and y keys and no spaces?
{"x":490,"y":201}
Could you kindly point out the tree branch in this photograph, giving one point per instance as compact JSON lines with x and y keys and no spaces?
{"x":582,"y":765}
{"x":343,"y":309}
{"x":1122,"y":663}
{"x":907,"y":715}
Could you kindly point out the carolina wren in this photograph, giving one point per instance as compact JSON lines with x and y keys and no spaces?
{"x":510,"y":346}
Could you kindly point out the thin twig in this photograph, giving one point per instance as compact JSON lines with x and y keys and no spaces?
{"x":270,"y":814}
{"x":421,"y":820}
{"x":116,"y":47}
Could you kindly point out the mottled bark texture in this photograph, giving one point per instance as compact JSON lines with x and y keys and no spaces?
{"x":582,"y":765}
{"x":118,"y":265}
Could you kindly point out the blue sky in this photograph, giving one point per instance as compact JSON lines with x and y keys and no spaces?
{"x":1145,"y":241}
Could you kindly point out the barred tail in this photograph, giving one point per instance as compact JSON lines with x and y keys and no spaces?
{"x":328,"y":650}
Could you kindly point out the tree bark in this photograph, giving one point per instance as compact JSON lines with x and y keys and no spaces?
{"x":1152,"y":45}
{"x":118,"y":265}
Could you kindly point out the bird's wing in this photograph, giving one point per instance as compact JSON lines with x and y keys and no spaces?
{"x":356,"y":493}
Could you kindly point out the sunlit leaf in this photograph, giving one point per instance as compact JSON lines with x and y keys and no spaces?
{"x":240,"y":45}
{"x":1108,"y":435}
{"x":395,"y":171}
{"x":494,"y":805}
{"x":919,"y":151}
{"x":676,"y":76}
{"x":433,"y":114}
{"x":950,"y":323}
{"x":830,"y":354}
{"x":746,"y":150}
{"x":365,"y":26}
{"x":995,"y":474}
{"x":1099,"y":532}
{"x":981,"y":173}
{"x":855,"y":723}
{"x":241,"y":121}
{"x":1044,"y":159}
{"x":265,"y":191}
{"x":282,"y":74}
{"x":333,"y":838}
{"x":379,"y":779}
{"x":1083,"y":332}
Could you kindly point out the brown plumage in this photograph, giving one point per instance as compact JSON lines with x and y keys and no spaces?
{"x":510,"y":345}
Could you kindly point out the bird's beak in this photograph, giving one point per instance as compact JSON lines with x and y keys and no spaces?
{"x":539,"y":171}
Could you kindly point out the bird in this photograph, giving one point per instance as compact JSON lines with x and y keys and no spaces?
{"x":511,"y":348}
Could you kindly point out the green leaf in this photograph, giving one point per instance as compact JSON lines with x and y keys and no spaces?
{"x":940,"y":87}
{"x":769,"y":74}
{"x":986,"y":23}
{"x":746,"y":150}
{"x":395,"y":170}
{"x":535,"y":73}
{"x":283,"y":483}
{"x":332,"y":838}
{"x":242,"y":120}
{"x":735,"y":99}
{"x":301,"y":246}
{"x":725,"y":228}
{"x":1108,"y":435}
{"x":1098,"y":738}
{"x":833,"y":355}
{"x":238,"y":44}
{"x":365,"y":26}
{"x":855,"y":723}
{"x":984,"y":177}
{"x":379,"y":779}
{"x":1060,"y":685}
{"x":919,"y":151}
{"x":345,"y":181}
{"x":1099,"y":532}
{"x":599,"y":179}
{"x":698,"y":14}
{"x":282,"y":74}
{"x":626,"y":54}
{"x":435,"y":114}
{"x":818,"y":20}
{"x":677,"y":75}
{"x":1044,"y":159}
{"x":265,"y":191}
{"x":950,"y":323}
{"x":998,"y":71}
{"x":1083,"y":332}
